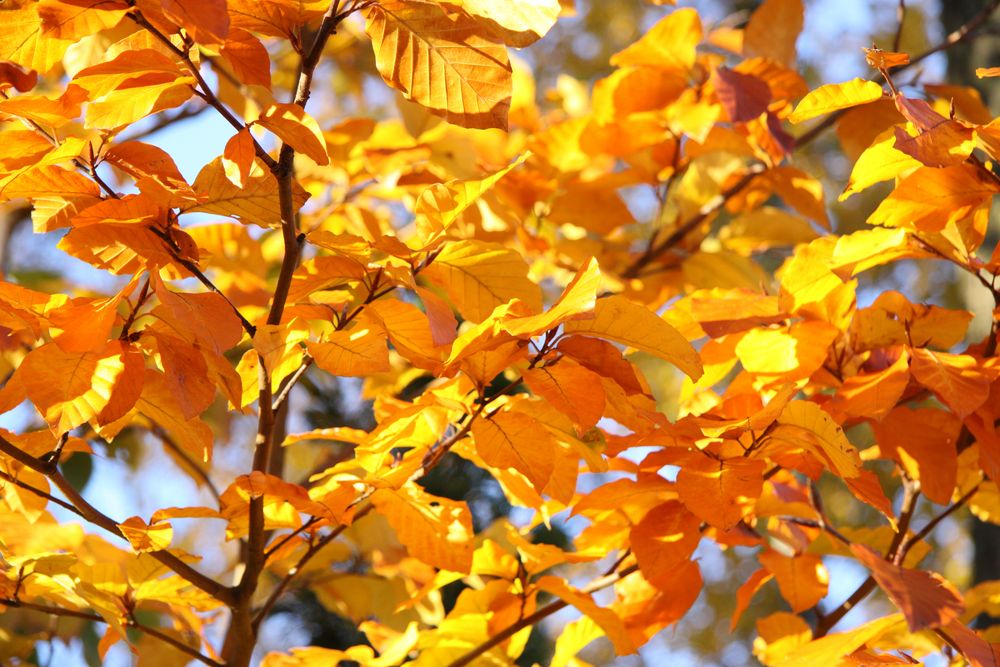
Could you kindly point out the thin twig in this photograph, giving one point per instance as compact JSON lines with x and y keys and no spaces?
{"x":98,"y":518}
{"x":539,"y":615}
{"x":900,"y":22}
{"x":129,"y":622}
{"x":933,"y":523}
{"x":286,"y":581}
{"x":204,"y":91}
{"x":654,"y":251}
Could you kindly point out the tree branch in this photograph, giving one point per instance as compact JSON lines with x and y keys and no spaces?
{"x":655,"y":250}
{"x":539,"y":615}
{"x":204,"y":91}
{"x":129,"y":622}
{"x":239,"y":642}
{"x":87,"y":511}
{"x":286,"y":581}
{"x":895,"y":555}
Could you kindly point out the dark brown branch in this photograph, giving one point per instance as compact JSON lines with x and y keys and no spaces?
{"x":654,"y":251}
{"x":286,"y":581}
{"x":895,"y":554}
{"x":98,"y":518}
{"x":933,"y":523}
{"x":129,"y":622}
{"x":204,"y":91}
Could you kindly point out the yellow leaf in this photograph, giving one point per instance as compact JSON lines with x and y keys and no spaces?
{"x":23,"y":42}
{"x":835,"y":96}
{"x":57,"y":194}
{"x":132,"y":86}
{"x":71,"y":388}
{"x":576,"y":302}
{"x":764,"y":228}
{"x":442,"y":60}
{"x":435,"y":530}
{"x":279,"y":345}
{"x":479,"y":276}
{"x":146,"y":537}
{"x":618,"y":319}
{"x":354,"y":353}
{"x":82,"y":18}
{"x":805,"y":425}
{"x":929,"y":198}
{"x":514,"y":440}
{"x":773,"y":30}
{"x":297,"y":129}
{"x":255,"y":203}
{"x":670,"y":44}
{"x":881,"y":161}
{"x":519,"y":22}
{"x":442,"y":203}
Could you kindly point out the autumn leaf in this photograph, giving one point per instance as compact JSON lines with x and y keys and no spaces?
{"x":443,"y":60}
{"x":435,"y":530}
{"x":925,"y":598}
{"x":479,"y":276}
{"x":670,"y":44}
{"x":512,"y":439}
{"x":664,"y":539}
{"x":619,"y":320}
{"x":835,"y":96}
{"x":803,"y":579}
{"x":297,"y":129}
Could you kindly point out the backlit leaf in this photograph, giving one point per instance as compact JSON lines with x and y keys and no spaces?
{"x":442,"y":60}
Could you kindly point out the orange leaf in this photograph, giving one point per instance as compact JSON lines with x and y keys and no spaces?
{"x":442,"y":60}
{"x":514,"y":440}
{"x":71,"y":388}
{"x":297,"y":129}
{"x":609,"y":621}
{"x":929,"y":198}
{"x":721,"y":493}
{"x":248,"y":58}
{"x":957,"y":379}
{"x":437,"y":531}
{"x":238,"y":157}
{"x":745,"y":593}
{"x":880,"y":59}
{"x":803,"y":579}
{"x":571,"y":389}
{"x":773,"y":29}
{"x":205,"y":20}
{"x":925,"y":598}
{"x":664,"y":541}
{"x":356,"y":353}
{"x":622,"y":321}
{"x":923,"y":441}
